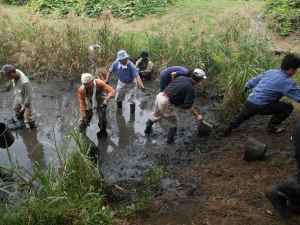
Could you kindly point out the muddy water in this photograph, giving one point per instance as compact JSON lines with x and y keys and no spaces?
{"x":124,"y":155}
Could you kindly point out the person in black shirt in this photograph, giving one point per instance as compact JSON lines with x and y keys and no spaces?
{"x":179,"y":93}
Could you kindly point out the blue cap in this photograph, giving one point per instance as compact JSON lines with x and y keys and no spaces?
{"x":122,"y":54}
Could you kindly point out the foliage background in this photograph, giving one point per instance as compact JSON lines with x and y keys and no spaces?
{"x":284,"y":15}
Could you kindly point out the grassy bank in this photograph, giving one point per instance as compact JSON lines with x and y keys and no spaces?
{"x":70,"y":194}
{"x":231,"y":54}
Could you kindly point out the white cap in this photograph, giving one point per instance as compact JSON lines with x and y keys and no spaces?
{"x":199,"y":73}
{"x":86,"y":77}
{"x":121,"y":55}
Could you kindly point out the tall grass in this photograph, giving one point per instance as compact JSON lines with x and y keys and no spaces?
{"x":70,"y":194}
{"x":232,"y":54}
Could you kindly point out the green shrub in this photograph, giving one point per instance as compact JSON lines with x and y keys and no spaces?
{"x":284,"y":15}
{"x":71,"y":194}
{"x":93,"y":8}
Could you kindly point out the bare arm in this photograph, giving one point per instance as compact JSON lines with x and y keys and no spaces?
{"x":196,"y":114}
{"x":139,"y":82}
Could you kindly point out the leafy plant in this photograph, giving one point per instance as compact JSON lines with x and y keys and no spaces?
{"x":284,"y":15}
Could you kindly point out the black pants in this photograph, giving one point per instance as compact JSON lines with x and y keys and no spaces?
{"x":279,"y":111}
{"x":296,"y":138}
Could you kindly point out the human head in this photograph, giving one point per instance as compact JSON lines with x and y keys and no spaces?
{"x":198,"y":75}
{"x":87,"y":79}
{"x":144,"y":55}
{"x":290,"y":63}
{"x":8,"y":71}
{"x":122,"y":57}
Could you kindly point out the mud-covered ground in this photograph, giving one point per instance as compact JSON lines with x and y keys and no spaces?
{"x":228,"y":190}
{"x":208,"y":182}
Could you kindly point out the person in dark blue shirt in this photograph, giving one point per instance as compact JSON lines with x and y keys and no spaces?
{"x":266,"y":92}
{"x":170,"y":73}
{"x":179,"y":93}
{"x":285,"y":197}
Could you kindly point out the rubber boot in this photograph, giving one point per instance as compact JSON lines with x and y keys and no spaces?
{"x":102,"y":133}
{"x":132,"y":108}
{"x":279,"y":201}
{"x":82,"y":128}
{"x":119,"y":105}
{"x":31,"y":124}
{"x":171,"y":135}
{"x":148,"y":129}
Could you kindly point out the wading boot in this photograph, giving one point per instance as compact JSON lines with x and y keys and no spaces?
{"x":279,"y":201}
{"x":119,"y":105}
{"x":171,"y":135}
{"x":132,"y":108}
{"x":148,"y":129}
{"x":273,"y":129}
{"x":32,"y":125}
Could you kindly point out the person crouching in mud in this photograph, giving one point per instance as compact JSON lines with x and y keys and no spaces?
{"x":285,"y":197}
{"x":93,"y":96}
{"x":22,"y":93}
{"x":128,"y":79}
{"x":179,"y":93}
{"x":145,"y":66}
{"x":266,"y":92}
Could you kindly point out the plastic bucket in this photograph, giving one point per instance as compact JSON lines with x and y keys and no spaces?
{"x":254,"y":150}
{"x":6,"y":137}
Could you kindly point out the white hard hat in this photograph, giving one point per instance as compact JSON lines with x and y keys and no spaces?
{"x":199,"y":74}
{"x":86,"y":77}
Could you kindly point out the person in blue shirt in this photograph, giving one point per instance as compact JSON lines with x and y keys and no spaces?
{"x":170,"y":73}
{"x":128,"y":79}
{"x":179,"y":93}
{"x":266,"y":91}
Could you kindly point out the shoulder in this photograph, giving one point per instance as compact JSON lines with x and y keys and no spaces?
{"x":131,"y":64}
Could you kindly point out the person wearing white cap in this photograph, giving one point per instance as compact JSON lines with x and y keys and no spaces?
{"x":93,"y":96}
{"x":128,"y":79}
{"x":22,"y":93}
{"x":179,"y":93}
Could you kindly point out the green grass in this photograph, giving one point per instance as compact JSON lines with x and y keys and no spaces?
{"x":71,"y":194}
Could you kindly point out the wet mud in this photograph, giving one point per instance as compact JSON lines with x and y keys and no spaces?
{"x":124,"y":155}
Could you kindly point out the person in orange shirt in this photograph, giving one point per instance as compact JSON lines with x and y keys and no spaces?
{"x":93,"y":96}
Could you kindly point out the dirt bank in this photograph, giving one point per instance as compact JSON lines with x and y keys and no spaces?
{"x":230,"y":191}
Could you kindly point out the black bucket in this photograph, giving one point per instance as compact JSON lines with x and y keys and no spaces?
{"x":6,"y":137}
{"x":255,"y":150}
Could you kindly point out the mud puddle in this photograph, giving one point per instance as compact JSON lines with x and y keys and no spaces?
{"x":124,"y":155}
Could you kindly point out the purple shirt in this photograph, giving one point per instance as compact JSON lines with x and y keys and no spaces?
{"x":166,"y":78}
{"x":125,"y":75}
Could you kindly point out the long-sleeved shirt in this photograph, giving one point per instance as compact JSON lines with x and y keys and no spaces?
{"x":270,"y":86}
{"x":166,"y":77}
{"x":181,"y":92}
{"x":22,"y":89}
{"x":85,"y":96}
{"x":143,"y":67}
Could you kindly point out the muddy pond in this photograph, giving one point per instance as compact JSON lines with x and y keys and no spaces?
{"x":124,"y":155}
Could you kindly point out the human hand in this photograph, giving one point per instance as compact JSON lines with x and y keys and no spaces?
{"x":199,"y":117}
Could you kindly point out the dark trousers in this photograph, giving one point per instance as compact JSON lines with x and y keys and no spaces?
{"x":296,"y":138}
{"x":279,"y":111}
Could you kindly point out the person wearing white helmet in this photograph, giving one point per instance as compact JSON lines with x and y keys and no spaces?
{"x":22,"y":93}
{"x":128,"y":79}
{"x":93,"y":96}
{"x":179,"y":93}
